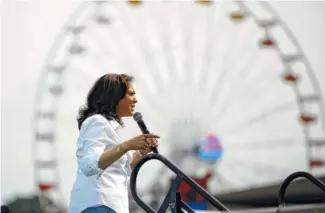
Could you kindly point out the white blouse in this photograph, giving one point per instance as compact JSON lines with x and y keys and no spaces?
{"x":94,"y":186}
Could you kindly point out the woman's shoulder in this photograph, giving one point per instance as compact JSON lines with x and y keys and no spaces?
{"x":94,"y":120}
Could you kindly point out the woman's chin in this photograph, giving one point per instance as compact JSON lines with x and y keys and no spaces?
{"x":128,"y":114}
{"x":131,"y":112}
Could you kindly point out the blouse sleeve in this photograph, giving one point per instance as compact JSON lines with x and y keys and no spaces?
{"x":92,"y":142}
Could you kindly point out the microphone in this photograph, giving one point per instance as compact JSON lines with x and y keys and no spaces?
{"x":138,"y":118}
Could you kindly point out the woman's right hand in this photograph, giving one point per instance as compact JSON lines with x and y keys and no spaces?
{"x":139,"y":142}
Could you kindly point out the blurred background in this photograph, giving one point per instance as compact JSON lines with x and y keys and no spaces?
{"x":235,"y":89}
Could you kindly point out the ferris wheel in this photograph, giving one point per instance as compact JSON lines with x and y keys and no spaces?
{"x":233,"y":69}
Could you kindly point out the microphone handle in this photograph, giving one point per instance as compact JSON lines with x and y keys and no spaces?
{"x":145,"y":130}
{"x":154,"y":149}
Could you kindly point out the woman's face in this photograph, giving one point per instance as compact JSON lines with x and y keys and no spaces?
{"x":127,"y":104}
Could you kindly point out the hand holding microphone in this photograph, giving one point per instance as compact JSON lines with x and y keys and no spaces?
{"x":153,"y":140}
{"x":141,"y":142}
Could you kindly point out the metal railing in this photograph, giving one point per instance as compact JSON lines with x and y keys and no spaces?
{"x":293,"y":176}
{"x":172,"y":199}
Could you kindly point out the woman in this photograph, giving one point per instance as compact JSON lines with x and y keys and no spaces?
{"x":104,"y":160}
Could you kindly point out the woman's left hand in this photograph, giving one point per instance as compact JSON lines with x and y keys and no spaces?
{"x":153,"y":142}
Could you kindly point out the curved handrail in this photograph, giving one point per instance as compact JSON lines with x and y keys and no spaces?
{"x":293,"y":176}
{"x":177,"y":171}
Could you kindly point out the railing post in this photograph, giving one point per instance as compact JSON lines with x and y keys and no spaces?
{"x":178,"y":203}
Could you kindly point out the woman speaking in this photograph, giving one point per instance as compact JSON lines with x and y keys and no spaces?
{"x":104,"y":159}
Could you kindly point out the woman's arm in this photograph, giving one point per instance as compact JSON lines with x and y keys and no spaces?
{"x":142,"y":144}
{"x":91,"y":154}
{"x":110,"y":156}
{"x":136,"y":157}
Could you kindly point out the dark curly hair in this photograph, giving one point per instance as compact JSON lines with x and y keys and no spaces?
{"x":104,"y":97}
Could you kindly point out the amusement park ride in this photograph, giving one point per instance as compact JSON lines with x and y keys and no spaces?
{"x":233,"y":84}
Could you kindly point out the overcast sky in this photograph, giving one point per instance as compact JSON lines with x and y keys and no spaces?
{"x":28,"y":31}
